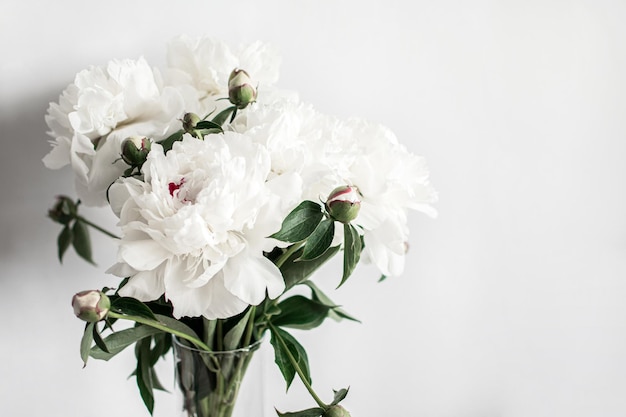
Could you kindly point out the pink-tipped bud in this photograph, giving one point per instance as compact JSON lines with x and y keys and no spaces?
{"x":241,"y":92}
{"x":344,"y":203}
{"x":91,"y":305}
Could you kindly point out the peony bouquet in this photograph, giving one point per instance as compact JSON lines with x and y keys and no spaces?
{"x":229,"y":192}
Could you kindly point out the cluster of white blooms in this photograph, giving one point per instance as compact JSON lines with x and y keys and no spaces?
{"x":196,"y":223}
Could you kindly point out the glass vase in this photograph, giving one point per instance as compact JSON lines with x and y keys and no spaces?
{"x":209,"y":382}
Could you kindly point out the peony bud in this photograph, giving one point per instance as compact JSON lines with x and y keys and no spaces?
{"x":336,"y":411}
{"x":344,"y":203}
{"x":135,"y":150}
{"x":190,"y":120}
{"x":64,"y":210}
{"x":240,"y":89}
{"x":91,"y":305}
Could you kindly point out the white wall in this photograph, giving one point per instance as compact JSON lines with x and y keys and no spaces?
{"x":513,"y":301}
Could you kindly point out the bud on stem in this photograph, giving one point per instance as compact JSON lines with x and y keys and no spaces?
{"x":241,"y":92}
{"x":135,"y":150}
{"x":91,"y":305}
{"x":63,"y":211}
{"x":344,"y":203}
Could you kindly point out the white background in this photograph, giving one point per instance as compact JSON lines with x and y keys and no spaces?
{"x":514,"y":299}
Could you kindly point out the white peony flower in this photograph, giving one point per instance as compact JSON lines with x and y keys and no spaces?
{"x":98,"y":111}
{"x":389,"y":178}
{"x":207,"y":62}
{"x":195,"y":229}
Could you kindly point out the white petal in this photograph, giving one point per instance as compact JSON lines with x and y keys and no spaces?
{"x":144,"y":286}
{"x":59,"y":156}
{"x":143,"y":255}
{"x":248,"y":277}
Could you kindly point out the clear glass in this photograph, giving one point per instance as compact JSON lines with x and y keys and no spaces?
{"x":209,"y":382}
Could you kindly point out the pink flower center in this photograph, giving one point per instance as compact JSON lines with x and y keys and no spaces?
{"x":173,"y":187}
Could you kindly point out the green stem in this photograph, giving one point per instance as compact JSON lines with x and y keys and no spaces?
{"x":295,"y":365}
{"x":290,"y":251}
{"x":95,"y":226}
{"x":250,"y":327}
{"x":219,"y":337}
{"x":162,"y":327}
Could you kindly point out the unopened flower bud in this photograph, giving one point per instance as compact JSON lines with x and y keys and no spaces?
{"x":91,"y":305}
{"x":241,"y":92}
{"x":344,"y":203}
{"x":63,"y":210}
{"x":336,"y":411}
{"x":190,"y":120}
{"x":135,"y":150}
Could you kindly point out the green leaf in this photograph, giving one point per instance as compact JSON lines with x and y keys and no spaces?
{"x":223,"y":115}
{"x":85,"y":342}
{"x":288,"y":354}
{"x":300,"y":223}
{"x":352,"y":248}
{"x":233,"y":337}
{"x":64,"y":241}
{"x":81,"y":241}
{"x":176,"y":325}
{"x":162,"y":345}
{"x":382,"y":278}
{"x":309,"y":412}
{"x":297,"y":272}
{"x":118,"y":341}
{"x":168,"y":142}
{"x":132,"y":307}
{"x":144,"y":373}
{"x":208,"y":125}
{"x":319,"y":240}
{"x":335,"y":312}
{"x":340,"y":395}
{"x":299,"y":312}
{"x":98,"y":339}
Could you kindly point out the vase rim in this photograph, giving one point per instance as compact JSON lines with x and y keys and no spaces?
{"x":250,"y":348}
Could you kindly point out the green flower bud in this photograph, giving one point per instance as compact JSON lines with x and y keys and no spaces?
{"x":135,"y":150}
{"x":241,"y":92}
{"x":63,"y":211}
{"x":344,"y":203}
{"x":91,"y":305}
{"x":190,"y":120}
{"x":336,"y":411}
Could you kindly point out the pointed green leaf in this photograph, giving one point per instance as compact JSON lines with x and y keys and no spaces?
{"x":144,"y":374}
{"x":168,"y":142}
{"x":352,"y":248}
{"x":223,"y":115}
{"x":297,"y":272}
{"x":320,"y":240}
{"x":81,"y":241}
{"x":289,"y":354}
{"x":382,"y":278}
{"x":64,"y":241}
{"x":310,"y":412}
{"x":299,"y":312}
{"x":300,"y":223}
{"x":233,"y":337}
{"x":335,"y":313}
{"x":209,"y":125}
{"x":281,"y":358}
{"x":85,"y":342}
{"x":98,"y":339}
{"x":118,"y":341}
{"x":132,"y":307}
{"x":340,"y":395}
{"x":176,"y":325}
